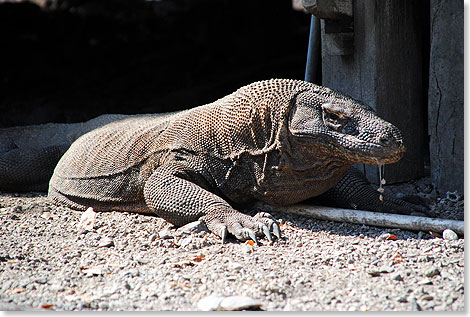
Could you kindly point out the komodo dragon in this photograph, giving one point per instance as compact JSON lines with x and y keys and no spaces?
{"x":277,"y":141}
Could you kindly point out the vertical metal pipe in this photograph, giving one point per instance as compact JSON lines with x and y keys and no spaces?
{"x":313,"y":54}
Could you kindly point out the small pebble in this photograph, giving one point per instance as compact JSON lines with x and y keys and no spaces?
{"x":93,"y":272}
{"x":374,"y":272}
{"x":219,"y":303}
{"x":425,"y":281}
{"x":106,"y":243}
{"x":141,"y":260}
{"x":433,"y":272}
{"x":234,"y":266}
{"x":449,"y":235}
{"x":186,"y":241}
{"x":192,"y":227}
{"x":384,"y":236}
{"x":87,"y":220}
{"x":414,"y":306}
{"x":165,"y":234}
{"x":152,"y":238}
{"x":397,"y":277}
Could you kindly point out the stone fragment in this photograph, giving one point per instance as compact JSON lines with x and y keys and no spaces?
{"x":185,"y":242}
{"x":449,"y":235}
{"x":192,"y":227}
{"x":432,"y":272}
{"x":165,"y":234}
{"x":425,"y":281}
{"x":87,"y":220}
{"x":397,"y":277}
{"x":384,"y":236}
{"x":106,"y":242}
{"x":219,"y":303}
{"x":414,"y":306}
{"x":93,"y":272}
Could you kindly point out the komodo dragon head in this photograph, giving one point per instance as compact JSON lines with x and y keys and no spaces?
{"x":302,"y":138}
{"x":322,"y":120}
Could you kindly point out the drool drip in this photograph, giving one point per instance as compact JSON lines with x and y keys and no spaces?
{"x":382,"y":181}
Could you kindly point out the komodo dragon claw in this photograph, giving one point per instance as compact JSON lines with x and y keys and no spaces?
{"x":270,"y":222}
{"x":223,"y":234}
{"x":249,"y":234}
{"x":266,"y":232}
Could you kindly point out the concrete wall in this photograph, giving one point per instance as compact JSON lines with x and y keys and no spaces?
{"x":446,"y":95}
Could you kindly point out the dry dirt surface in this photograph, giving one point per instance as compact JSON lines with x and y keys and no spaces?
{"x":126,"y":261}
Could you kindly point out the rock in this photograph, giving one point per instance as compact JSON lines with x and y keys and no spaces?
{"x":379,"y":271}
{"x":427,"y":297}
{"x":56,"y":287}
{"x":141,"y":260}
{"x":397,"y":277}
{"x":186,"y":241}
{"x":453,"y":196}
{"x":433,"y":272}
{"x":239,"y":303}
{"x":209,"y":303}
{"x":152,"y":238}
{"x":384,"y":236}
{"x":165,"y":234}
{"x":234,"y":266}
{"x":215,"y":302}
{"x":192,"y":227}
{"x":402,"y":299}
{"x":449,"y":235}
{"x":41,"y":280}
{"x":93,"y":272}
{"x":87,"y":221}
{"x":106,"y":243}
{"x":414,"y":306}
{"x":425,"y":281}
{"x":374,"y":272}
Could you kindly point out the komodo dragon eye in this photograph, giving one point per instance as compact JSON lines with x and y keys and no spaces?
{"x":334,"y":118}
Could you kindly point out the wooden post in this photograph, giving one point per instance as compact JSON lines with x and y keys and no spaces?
{"x":446,"y":95}
{"x":385,"y":71}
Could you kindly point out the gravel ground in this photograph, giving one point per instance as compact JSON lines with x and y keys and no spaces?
{"x":130,"y":261}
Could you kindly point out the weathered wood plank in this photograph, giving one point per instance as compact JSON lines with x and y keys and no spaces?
{"x":370,"y":218}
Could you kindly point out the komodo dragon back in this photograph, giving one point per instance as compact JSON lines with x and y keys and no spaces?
{"x":278,"y":141}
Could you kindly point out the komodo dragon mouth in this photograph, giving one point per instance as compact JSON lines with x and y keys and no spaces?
{"x":372,"y":153}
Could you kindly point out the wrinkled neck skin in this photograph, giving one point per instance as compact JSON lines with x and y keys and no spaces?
{"x":278,"y":168}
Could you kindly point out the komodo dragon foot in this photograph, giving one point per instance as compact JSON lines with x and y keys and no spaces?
{"x":354,"y":191}
{"x":243,"y":227}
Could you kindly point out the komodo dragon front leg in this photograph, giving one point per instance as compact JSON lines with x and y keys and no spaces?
{"x":354,"y":191}
{"x":174,"y":194}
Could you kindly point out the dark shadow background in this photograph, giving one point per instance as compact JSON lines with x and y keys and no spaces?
{"x":69,"y":61}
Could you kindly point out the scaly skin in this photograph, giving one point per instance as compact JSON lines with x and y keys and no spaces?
{"x":277,"y":141}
